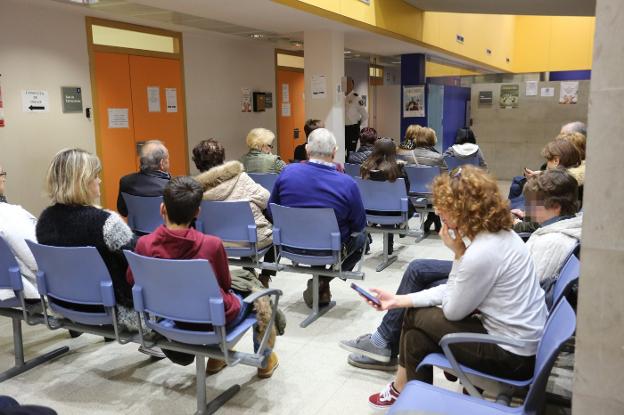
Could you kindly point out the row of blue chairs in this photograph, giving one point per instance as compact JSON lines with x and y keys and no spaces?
{"x":75,"y":283}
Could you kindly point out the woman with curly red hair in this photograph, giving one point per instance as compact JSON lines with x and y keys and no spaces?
{"x":493,"y":274}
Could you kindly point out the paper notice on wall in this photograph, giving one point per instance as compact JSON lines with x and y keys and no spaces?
{"x":118,"y":118}
{"x":153,"y":99}
{"x":414,"y":101}
{"x":531,"y":88}
{"x":568,"y":92}
{"x":547,"y":92}
{"x":319,"y":86}
{"x":285,"y":93}
{"x":171,"y":97}
{"x":35,"y":101}
{"x":246,"y":100}
{"x":285,"y":109}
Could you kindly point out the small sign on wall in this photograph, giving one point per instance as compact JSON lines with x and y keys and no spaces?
{"x":171,"y":96}
{"x":153,"y":99}
{"x":485,"y":97}
{"x":72,"y":99}
{"x":118,"y":118}
{"x":35,"y":100}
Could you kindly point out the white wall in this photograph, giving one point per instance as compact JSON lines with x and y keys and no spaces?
{"x":216,"y":68}
{"x":40,"y":48}
{"x":43,"y":45}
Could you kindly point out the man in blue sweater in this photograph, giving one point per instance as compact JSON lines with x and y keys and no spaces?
{"x":317,"y":184}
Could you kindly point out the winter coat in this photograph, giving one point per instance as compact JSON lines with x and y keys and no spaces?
{"x":466,"y":150}
{"x":258,"y":162}
{"x":578,"y":173}
{"x":17,"y":225}
{"x":229,"y":182}
{"x":550,"y":245}
{"x":361,"y":154}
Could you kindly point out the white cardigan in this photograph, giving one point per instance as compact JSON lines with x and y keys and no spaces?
{"x":495,"y":276}
{"x":17,"y":225}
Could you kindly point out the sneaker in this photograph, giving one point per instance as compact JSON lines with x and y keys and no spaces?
{"x":385,"y":398}
{"x":363,"y":346}
{"x":214,"y":366}
{"x":364,"y":362}
{"x":154,"y":352}
{"x":272,"y":364}
{"x":324,"y":296}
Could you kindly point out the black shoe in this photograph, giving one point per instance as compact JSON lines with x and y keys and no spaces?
{"x":427,"y":225}
{"x":73,"y":334}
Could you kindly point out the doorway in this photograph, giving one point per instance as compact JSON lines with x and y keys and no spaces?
{"x":290,"y":102}
{"x":138,"y":94}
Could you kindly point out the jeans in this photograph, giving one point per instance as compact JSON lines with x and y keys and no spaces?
{"x":420,"y":275}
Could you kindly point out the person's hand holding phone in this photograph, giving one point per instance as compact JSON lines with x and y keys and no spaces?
{"x":454,"y":242}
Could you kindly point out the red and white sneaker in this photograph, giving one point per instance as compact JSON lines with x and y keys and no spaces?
{"x":385,"y":398}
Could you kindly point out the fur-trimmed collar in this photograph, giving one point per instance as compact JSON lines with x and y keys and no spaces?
{"x":219,"y":174}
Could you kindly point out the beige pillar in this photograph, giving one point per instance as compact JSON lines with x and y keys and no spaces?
{"x":599,"y":366}
{"x":324,"y":64}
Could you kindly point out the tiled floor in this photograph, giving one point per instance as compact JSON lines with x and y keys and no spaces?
{"x":313,"y":376}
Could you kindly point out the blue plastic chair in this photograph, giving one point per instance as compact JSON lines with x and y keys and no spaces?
{"x":419,"y":397}
{"x":310,"y":236}
{"x":232,"y":221}
{"x":266,"y":180}
{"x":568,"y":276}
{"x":454,"y":162}
{"x":143,"y":213}
{"x":167,"y":292}
{"x":352,"y":170}
{"x":77,"y":284}
{"x":17,"y":309}
{"x":421,"y":179}
{"x":385,"y":203}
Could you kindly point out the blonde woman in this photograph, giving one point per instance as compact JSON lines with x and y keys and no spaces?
{"x":260,"y":158}
{"x":414,"y":134}
{"x":74,"y":219}
{"x":494,"y":274}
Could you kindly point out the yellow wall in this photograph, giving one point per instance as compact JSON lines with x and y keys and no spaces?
{"x":531,"y":43}
{"x":433,"y":69}
{"x":553,"y":43}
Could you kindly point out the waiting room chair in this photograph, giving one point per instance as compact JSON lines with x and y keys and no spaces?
{"x":143,"y":213}
{"x":386,"y":205}
{"x":352,"y":170}
{"x":266,"y":180}
{"x":568,"y":276}
{"x":310,"y":236}
{"x":420,"y":180}
{"x":454,"y":162}
{"x":78,"y":287}
{"x":233,"y":222}
{"x":18,"y":310}
{"x":170,"y":292}
{"x":419,"y":397}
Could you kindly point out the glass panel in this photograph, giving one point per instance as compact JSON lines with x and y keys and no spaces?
{"x":123,"y":38}
{"x":289,"y":61}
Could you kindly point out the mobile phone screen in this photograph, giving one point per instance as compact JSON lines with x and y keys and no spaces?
{"x":366,"y":294}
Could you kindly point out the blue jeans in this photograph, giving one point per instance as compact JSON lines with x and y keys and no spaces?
{"x":421,"y":274}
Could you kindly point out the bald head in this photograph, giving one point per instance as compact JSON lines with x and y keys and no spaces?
{"x":574,"y":127}
{"x":154,"y":156}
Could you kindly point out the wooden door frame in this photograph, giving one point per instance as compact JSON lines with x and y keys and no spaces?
{"x":283,"y":68}
{"x":92,"y":48}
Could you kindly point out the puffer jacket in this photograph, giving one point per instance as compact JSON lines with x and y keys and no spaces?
{"x":258,"y":162}
{"x":466,"y":150}
{"x":229,"y":182}
{"x":550,"y":245}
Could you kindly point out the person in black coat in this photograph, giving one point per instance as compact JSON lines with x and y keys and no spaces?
{"x":300,"y":150}
{"x":151,"y":179}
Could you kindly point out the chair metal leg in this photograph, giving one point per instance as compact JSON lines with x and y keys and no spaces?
{"x":387,"y":258}
{"x":216,"y":403}
{"x":22,"y":366}
{"x":317,"y":310}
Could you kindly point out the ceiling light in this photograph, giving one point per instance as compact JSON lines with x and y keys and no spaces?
{"x":346,"y":52}
{"x":296,"y":43}
{"x":256,"y":35}
{"x":87,"y":2}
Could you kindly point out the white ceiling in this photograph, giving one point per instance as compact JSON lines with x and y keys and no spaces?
{"x":525,"y":7}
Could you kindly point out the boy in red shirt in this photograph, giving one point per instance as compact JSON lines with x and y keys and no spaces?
{"x":176,"y":239}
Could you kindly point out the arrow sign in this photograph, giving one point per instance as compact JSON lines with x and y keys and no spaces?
{"x":35,"y":100}
{"x":33,"y":108}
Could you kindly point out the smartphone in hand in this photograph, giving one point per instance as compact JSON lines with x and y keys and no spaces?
{"x":366,"y":294}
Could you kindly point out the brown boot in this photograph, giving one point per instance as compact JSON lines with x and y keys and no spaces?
{"x":272,"y":364}
{"x":265,"y":279}
{"x":214,"y":366}
{"x":324,"y":293}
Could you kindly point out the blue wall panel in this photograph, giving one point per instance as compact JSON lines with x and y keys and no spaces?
{"x":412,"y":73}
{"x":455,"y":98}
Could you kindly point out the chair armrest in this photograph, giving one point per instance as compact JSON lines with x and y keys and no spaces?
{"x":16,"y":279}
{"x":455,"y":338}
{"x":259,"y":294}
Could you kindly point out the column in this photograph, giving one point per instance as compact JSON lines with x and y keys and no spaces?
{"x":324,"y":57}
{"x":599,"y":366}
{"x":412,"y":73}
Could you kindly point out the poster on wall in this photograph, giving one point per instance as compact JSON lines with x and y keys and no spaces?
{"x":153,"y":99}
{"x":319,"y":86}
{"x":485,"y":97}
{"x":531,"y":88}
{"x":246,"y":100}
{"x":35,"y":100}
{"x":509,"y":96}
{"x":268,"y":100}
{"x":413,"y":101}
{"x":171,"y":96}
{"x":547,"y":92}
{"x":118,"y":118}
{"x":568,"y":92}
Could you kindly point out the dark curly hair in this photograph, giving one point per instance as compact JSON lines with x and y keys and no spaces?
{"x":470,"y":196}
{"x":208,"y":154}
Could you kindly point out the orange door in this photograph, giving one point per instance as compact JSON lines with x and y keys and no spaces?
{"x":290,"y":111}
{"x":122,"y":83}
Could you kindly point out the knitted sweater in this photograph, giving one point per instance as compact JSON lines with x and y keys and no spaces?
{"x":76,"y":225}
